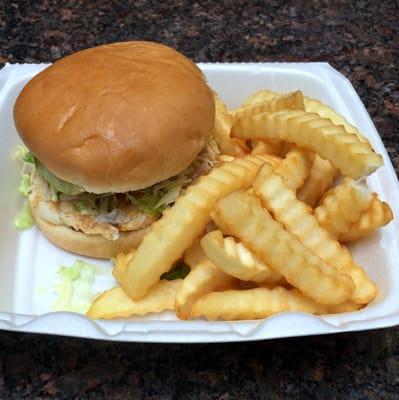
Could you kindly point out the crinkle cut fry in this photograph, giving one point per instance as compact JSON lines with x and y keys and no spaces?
{"x":114,"y":303}
{"x":241,"y":215}
{"x":261,"y":96}
{"x":236,"y":260}
{"x":295,"y":168}
{"x":121,"y":262}
{"x":293,"y":101}
{"x":377,"y":215}
{"x":181,"y":224}
{"x":321,"y":178}
{"x":204,"y":278}
{"x":194,"y":254}
{"x":271,"y":159}
{"x":311,"y":106}
{"x":342,"y":206}
{"x":344,"y":150}
{"x":261,"y":147}
{"x":297,"y":218}
{"x":223,"y":124}
{"x":316,"y":106}
{"x":253,"y":304}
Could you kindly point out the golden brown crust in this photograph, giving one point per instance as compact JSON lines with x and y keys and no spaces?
{"x":89,"y":245}
{"x":117,"y":117}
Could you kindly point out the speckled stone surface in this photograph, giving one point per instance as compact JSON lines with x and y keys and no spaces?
{"x":360,"y":39}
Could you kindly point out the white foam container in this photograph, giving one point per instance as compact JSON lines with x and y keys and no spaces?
{"x":29,"y":263}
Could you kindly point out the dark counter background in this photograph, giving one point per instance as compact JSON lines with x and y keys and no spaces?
{"x":360,"y":39}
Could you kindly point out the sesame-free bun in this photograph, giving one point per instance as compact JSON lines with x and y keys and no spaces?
{"x":88,"y":245}
{"x":118,"y":117}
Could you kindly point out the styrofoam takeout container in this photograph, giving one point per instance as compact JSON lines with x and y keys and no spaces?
{"x":29,"y":263}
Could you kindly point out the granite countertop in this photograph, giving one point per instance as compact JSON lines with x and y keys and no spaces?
{"x":360,"y":39}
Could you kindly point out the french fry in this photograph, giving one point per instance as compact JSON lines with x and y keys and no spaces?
{"x":298,"y":219}
{"x":224,"y":158}
{"x":344,"y":150}
{"x":311,"y":106}
{"x":377,"y":215}
{"x":181,"y":224}
{"x":294,"y":168}
{"x":266,"y":147}
{"x":236,"y":260}
{"x":194,"y":254}
{"x":316,"y":106}
{"x":320,"y":179}
{"x":241,"y":214}
{"x":121,"y":264}
{"x":342,"y":206}
{"x":261,"y":96}
{"x":253,"y":304}
{"x":292,"y":101}
{"x":346,"y":306}
{"x":222,"y":128}
{"x":114,"y":303}
{"x":204,"y":278}
{"x":271,"y":159}
{"x":287,"y":147}
{"x":255,"y":98}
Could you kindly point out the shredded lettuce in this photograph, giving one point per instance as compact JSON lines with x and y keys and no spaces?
{"x":54,"y":194}
{"x":28,"y":157}
{"x":24,"y":184}
{"x":180,"y":271}
{"x":74,"y":289}
{"x":107,"y":203}
{"x":56,"y":184}
{"x":170,"y":196}
{"x":145,"y":202}
{"x":85,"y":203}
{"x":84,"y":207}
{"x":25,"y":155}
{"x":155,"y":199}
{"x":72,"y":272}
{"x":92,"y":204}
{"x":64,"y":294}
{"x":24,"y":219}
{"x":80,"y":206}
{"x":20,"y":153}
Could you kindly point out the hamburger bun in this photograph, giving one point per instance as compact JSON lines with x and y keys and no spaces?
{"x":88,"y":245}
{"x":115,"y":118}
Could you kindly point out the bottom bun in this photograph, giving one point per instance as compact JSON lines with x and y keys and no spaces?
{"x":89,"y":245}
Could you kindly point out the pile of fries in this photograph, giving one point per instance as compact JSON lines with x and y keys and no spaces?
{"x":265,"y":231}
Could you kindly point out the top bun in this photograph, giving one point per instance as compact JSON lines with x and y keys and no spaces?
{"x":117,"y":117}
